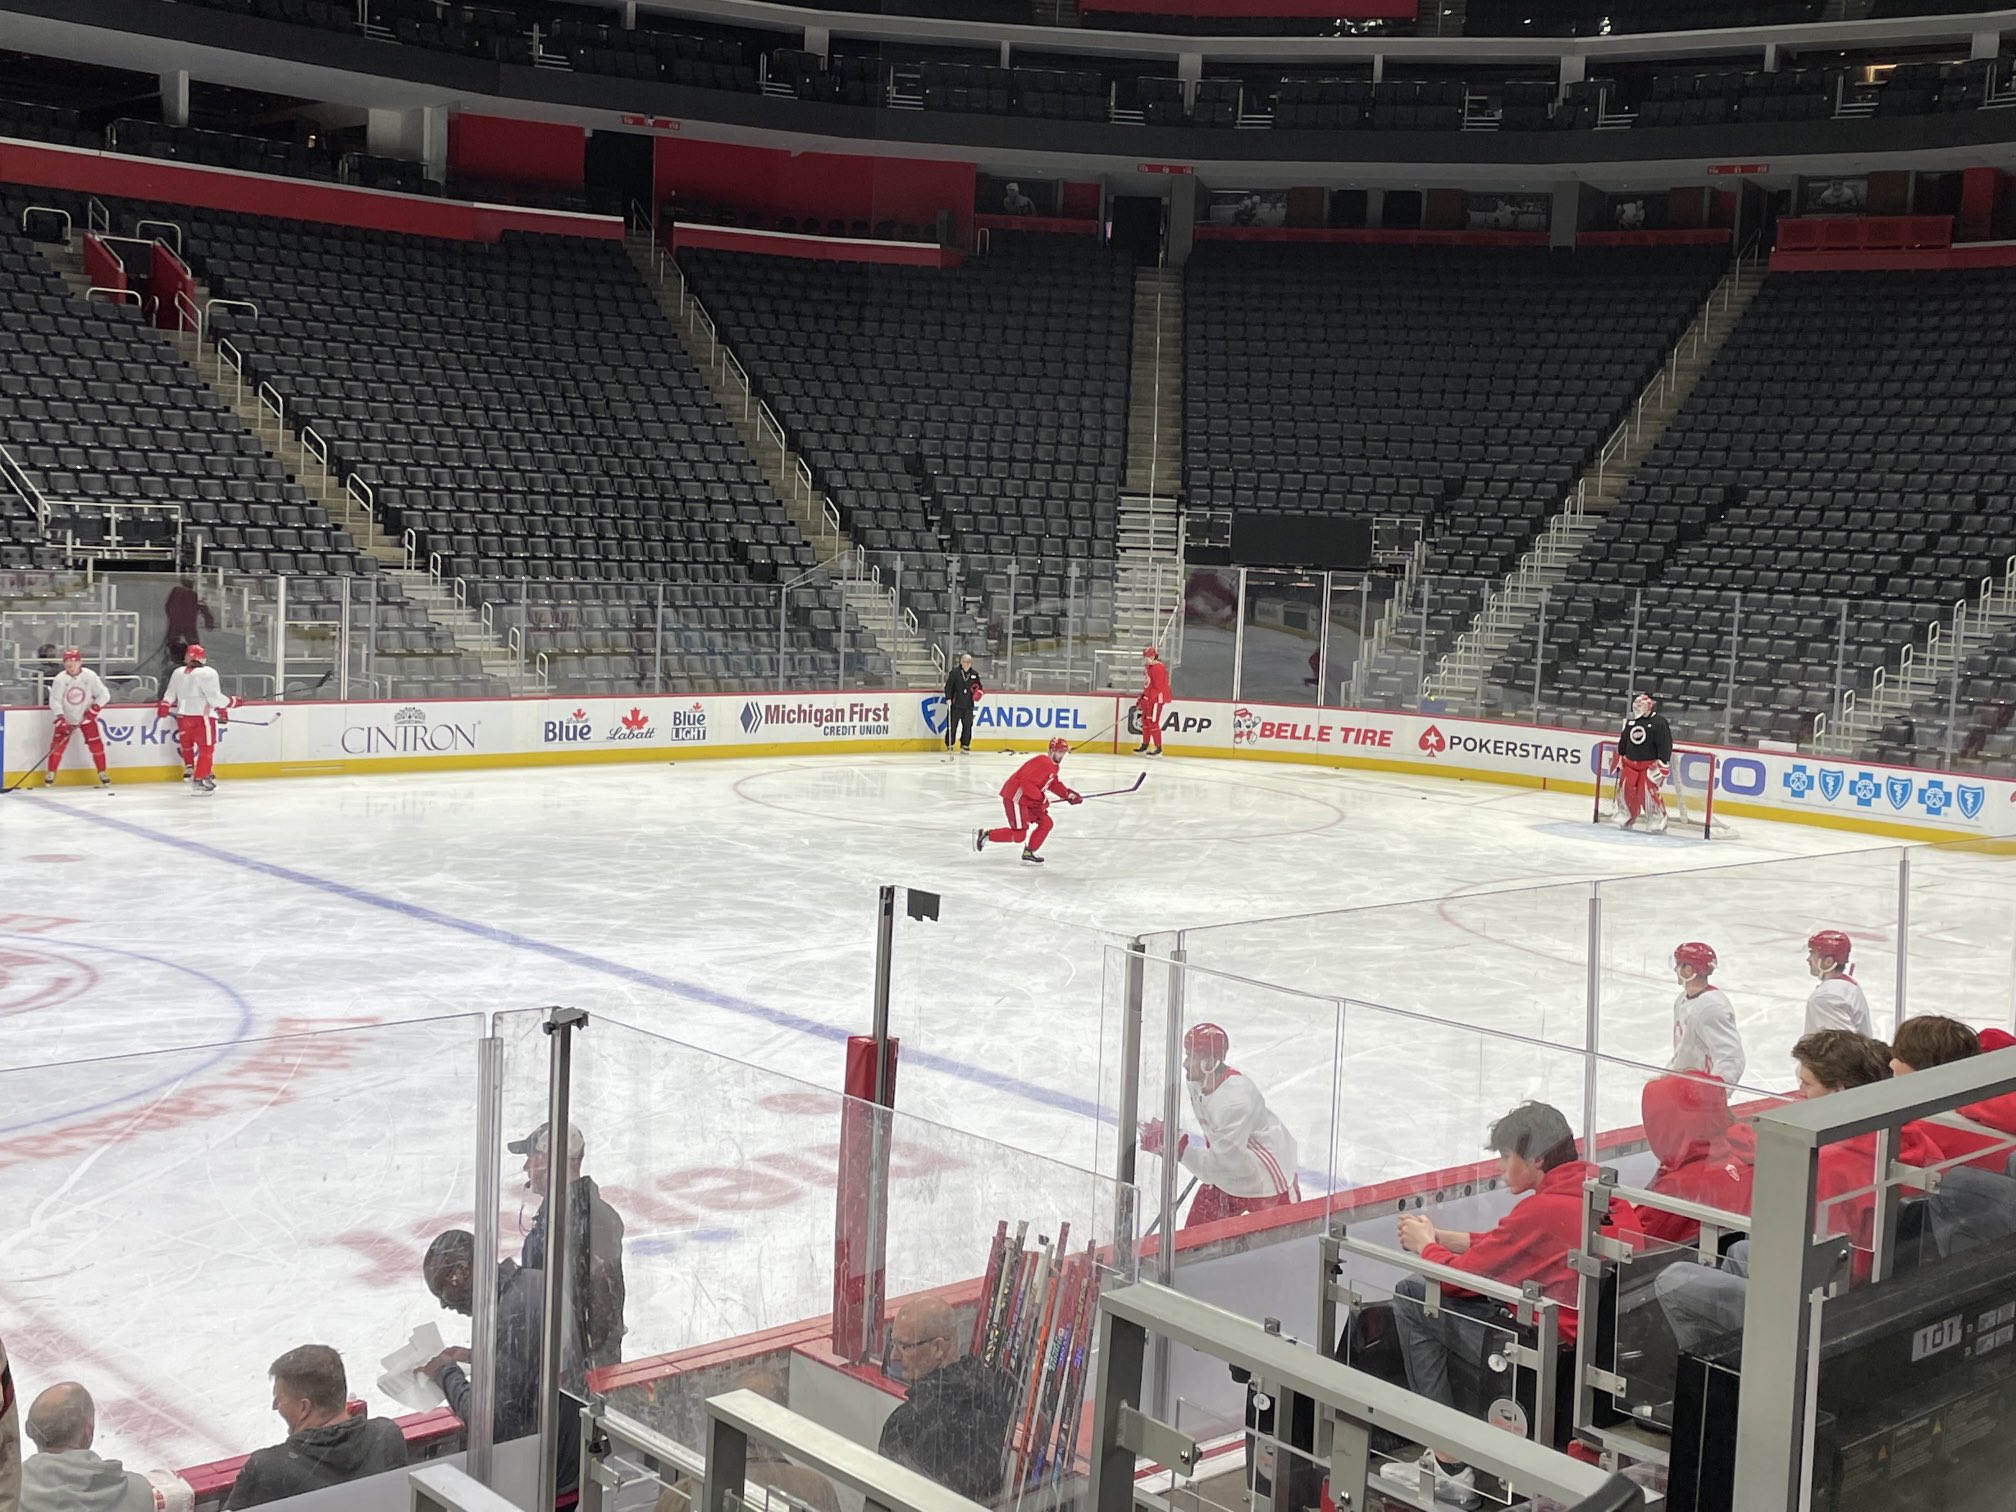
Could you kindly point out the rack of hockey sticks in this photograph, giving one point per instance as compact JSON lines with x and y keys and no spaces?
{"x":1034,"y":1324}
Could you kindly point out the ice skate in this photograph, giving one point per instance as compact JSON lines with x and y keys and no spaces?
{"x":1655,"y":824}
{"x":1029,"y":855}
{"x":979,"y":839}
{"x":1426,"y":1477}
{"x":104,"y":779}
{"x":188,"y":774}
{"x":205,"y":784}
{"x":1622,"y":818}
{"x":1141,"y":749}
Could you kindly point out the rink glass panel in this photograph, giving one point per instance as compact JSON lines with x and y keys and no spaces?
{"x":296,"y":1182}
{"x":728,"y":1180}
{"x":1510,"y":959}
{"x":942,"y":1009}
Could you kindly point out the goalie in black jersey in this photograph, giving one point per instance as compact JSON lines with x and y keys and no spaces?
{"x":1644,"y":757}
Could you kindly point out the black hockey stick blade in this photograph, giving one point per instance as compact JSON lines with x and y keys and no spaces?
{"x":306,"y":687}
{"x":1132,"y":787}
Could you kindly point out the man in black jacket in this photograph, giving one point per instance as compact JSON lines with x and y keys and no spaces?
{"x":450,"y":1272}
{"x":953,"y":1423}
{"x":325,"y":1444}
{"x":962,"y":692}
{"x":595,"y":1251}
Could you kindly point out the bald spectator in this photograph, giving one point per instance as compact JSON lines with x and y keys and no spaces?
{"x":325,"y":1445}
{"x":66,"y":1476}
{"x":953,"y":1423}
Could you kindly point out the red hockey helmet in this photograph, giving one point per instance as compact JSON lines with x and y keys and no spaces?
{"x":195,"y":653}
{"x":1833,"y":944}
{"x":1207,"y":1042}
{"x":1151,"y":653}
{"x":1059,"y":748}
{"x":71,"y":653}
{"x":1696,"y":955}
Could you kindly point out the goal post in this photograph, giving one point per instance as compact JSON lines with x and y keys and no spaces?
{"x":1689,"y":791}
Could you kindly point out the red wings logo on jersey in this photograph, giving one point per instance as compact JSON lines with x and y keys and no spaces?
{"x":1433,"y":741}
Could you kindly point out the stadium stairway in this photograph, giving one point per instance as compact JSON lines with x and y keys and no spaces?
{"x":1513,"y":608}
{"x":874,"y":605}
{"x":1148,"y":564}
{"x":345,"y":508}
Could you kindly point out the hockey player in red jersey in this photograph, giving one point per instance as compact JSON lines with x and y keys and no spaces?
{"x":75,"y":697}
{"x":1026,"y":797}
{"x":199,"y":704}
{"x":1244,"y":1157}
{"x":1644,"y":756}
{"x":1154,"y":699}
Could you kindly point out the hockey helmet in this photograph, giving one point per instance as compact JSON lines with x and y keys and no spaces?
{"x":1833,"y":944}
{"x":195,"y":654}
{"x":1151,"y":653}
{"x":1207,"y":1042}
{"x":71,"y":653}
{"x":1695,"y":955}
{"x":1059,"y":748}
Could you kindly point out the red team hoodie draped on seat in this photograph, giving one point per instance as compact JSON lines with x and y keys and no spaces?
{"x":1705,"y":1154}
{"x":1995,"y":1113}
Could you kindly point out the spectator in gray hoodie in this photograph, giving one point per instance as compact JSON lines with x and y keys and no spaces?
{"x":66,"y":1476}
{"x":325,"y":1445}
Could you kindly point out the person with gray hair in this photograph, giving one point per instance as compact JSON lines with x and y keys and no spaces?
{"x":326,"y":1445}
{"x":66,"y":1476}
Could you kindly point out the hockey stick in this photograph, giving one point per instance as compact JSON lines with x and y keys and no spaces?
{"x":1132,"y":787}
{"x":257,"y":724}
{"x":23,"y":778}
{"x":306,"y":687}
{"x":1092,"y":739}
{"x":1181,"y":1198}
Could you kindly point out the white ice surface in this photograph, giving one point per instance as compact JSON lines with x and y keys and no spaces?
{"x":188,"y":1204}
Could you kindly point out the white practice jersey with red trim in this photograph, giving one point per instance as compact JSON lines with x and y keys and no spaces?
{"x":194,"y":692}
{"x":1705,"y":1036}
{"x":1242,"y":1148}
{"x":1839,"y":1003}
{"x":73,"y":695}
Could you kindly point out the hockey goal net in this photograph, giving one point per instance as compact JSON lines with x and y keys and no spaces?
{"x":1688,"y":792}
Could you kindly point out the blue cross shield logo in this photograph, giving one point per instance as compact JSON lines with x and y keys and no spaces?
{"x":1897,"y":790}
{"x":1798,"y":782}
{"x":1831,"y":780}
{"x":1972,"y":795}
{"x":1866,"y":789}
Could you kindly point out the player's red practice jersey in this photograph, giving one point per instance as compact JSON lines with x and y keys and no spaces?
{"x":1032,"y":777}
{"x":1156,"y":693}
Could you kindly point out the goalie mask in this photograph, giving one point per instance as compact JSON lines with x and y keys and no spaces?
{"x":1641,"y":706}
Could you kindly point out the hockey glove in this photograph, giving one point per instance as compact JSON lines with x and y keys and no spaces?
{"x":1074,"y":798}
{"x":161,"y":711}
{"x":1153,"y":1141}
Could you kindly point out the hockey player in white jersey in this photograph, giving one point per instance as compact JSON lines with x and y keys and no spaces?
{"x":1704,"y":1021}
{"x":199,"y":704}
{"x":1243,"y":1157}
{"x":1838,"y":1001}
{"x":76,"y":694}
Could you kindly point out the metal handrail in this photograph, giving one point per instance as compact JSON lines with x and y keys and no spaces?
{"x":166,"y":225}
{"x":211,"y":306}
{"x":69,"y":225}
{"x":410,"y":541}
{"x":229,"y":356}
{"x":312,"y":445}
{"x":119,"y":296}
{"x":94,"y":212}
{"x":17,"y":478}
{"x":271,"y":398}
{"x":186,"y":307}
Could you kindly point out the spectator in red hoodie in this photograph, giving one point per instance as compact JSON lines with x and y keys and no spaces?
{"x":1928,"y":1040}
{"x":1705,"y":1155}
{"x":1538,"y":1162}
{"x":1703,"y":1301}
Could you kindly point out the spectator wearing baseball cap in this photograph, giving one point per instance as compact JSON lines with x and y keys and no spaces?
{"x":595,"y":1248}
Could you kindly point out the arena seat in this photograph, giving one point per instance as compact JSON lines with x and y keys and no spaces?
{"x":1844,"y":451}
{"x":978,"y":411}
{"x":1466,"y":389}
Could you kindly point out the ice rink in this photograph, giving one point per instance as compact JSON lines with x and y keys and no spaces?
{"x":190,"y":1202}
